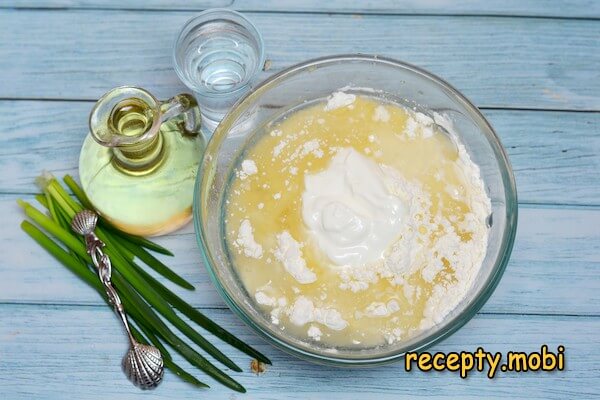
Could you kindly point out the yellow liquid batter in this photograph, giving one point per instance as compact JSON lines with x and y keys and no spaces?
{"x":271,"y":200}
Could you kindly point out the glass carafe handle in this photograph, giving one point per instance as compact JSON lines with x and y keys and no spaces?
{"x":185,"y":105}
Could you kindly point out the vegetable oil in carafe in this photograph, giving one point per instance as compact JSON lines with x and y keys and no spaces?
{"x":138,"y":165}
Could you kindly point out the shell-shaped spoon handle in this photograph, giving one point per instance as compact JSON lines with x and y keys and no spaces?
{"x":142,"y":364}
{"x":84,"y":222}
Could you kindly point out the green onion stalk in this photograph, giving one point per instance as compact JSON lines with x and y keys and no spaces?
{"x":148,"y":302}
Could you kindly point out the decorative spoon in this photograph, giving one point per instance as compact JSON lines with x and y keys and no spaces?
{"x":142,"y":364}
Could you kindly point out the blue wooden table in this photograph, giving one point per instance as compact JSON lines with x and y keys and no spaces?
{"x":533,"y":67}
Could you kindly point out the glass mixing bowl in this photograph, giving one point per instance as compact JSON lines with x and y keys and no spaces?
{"x":391,"y":81}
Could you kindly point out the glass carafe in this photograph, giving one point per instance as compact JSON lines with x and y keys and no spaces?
{"x":139,"y":162}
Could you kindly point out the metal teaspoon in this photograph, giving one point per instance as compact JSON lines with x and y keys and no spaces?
{"x":142,"y":364}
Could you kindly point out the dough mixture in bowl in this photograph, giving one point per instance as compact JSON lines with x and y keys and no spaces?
{"x":355,"y":222}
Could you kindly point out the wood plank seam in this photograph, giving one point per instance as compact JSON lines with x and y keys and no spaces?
{"x":483,"y":108}
{"x":225,"y":308}
{"x":306,"y":12}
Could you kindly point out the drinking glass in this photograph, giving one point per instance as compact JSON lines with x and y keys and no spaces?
{"x":217,"y":55}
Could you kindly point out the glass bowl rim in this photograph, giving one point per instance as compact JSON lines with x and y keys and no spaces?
{"x":450,"y":326}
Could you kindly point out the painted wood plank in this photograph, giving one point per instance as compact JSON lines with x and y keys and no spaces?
{"x":549,"y":151}
{"x":497,"y":62}
{"x":75,"y":352}
{"x":553,"y":270}
{"x":536,"y":8}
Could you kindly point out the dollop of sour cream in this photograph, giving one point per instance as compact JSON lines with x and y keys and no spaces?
{"x":349,"y":210}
